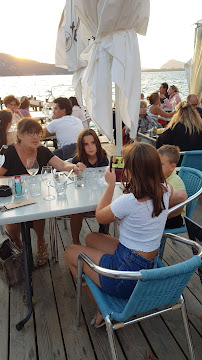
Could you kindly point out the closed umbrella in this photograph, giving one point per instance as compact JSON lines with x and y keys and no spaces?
{"x":193,"y":68}
{"x":196,"y":64}
{"x":70,"y":43}
{"x":113,"y":57}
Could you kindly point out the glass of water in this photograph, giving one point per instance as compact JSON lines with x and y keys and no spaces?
{"x":60,"y":182}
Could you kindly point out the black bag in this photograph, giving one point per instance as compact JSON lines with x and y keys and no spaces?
{"x":11,"y":263}
{"x":5,"y":190}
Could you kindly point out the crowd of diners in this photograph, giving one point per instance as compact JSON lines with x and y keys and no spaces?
{"x":150,"y":187}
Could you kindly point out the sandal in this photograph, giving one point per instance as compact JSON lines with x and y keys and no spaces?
{"x":97,"y":326}
{"x":42,"y":255}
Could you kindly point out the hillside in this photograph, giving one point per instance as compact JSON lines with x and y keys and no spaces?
{"x":172,"y":64}
{"x":13,"y":66}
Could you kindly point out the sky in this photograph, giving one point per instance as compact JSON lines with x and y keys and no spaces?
{"x":29,"y":30}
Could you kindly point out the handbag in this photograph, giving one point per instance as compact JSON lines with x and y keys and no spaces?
{"x":5,"y":190}
{"x":11,"y":263}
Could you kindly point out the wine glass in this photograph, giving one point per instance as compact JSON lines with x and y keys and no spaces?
{"x":47,"y":178}
{"x":32,"y":166}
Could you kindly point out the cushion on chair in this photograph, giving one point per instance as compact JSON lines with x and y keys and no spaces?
{"x":158,"y":287}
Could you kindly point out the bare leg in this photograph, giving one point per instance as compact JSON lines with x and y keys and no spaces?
{"x":76,"y":224}
{"x":102,"y":242}
{"x":42,"y":254}
{"x":38,"y":226}
{"x":14,"y":231}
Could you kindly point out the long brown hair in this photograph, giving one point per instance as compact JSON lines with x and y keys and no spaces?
{"x":144,"y":176}
{"x":5,"y":119}
{"x":80,"y":150}
{"x":187,"y":116}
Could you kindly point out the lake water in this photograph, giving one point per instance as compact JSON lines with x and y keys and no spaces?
{"x":61,"y":85}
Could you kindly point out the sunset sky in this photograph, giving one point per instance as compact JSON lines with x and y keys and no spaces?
{"x":29,"y":29}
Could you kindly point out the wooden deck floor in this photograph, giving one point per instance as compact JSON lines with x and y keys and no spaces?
{"x":51,"y":334}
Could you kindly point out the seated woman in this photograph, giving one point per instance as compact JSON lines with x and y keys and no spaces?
{"x":184,"y":130}
{"x":174,"y":97}
{"x":24,"y":107}
{"x":78,"y":111}
{"x":154,"y":110}
{"x":12,"y":103}
{"x":142,"y":209}
{"x":28,"y":146}
{"x":91,"y":154}
{"x":5,"y":124}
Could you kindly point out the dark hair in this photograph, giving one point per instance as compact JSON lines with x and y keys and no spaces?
{"x":171,"y":151}
{"x":8,"y":99}
{"x":153,"y":97}
{"x":64,"y":103}
{"x":144,"y":176}
{"x":5,"y":119}
{"x":80,"y":150}
{"x":28,"y":124}
{"x":165,"y":85}
{"x":24,"y":103}
{"x":74,"y":101}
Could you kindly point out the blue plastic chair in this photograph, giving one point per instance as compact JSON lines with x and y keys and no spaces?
{"x":192,"y":159}
{"x":156,"y":288}
{"x":192,"y":179}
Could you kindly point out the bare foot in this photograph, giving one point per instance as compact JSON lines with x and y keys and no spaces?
{"x":99,"y":318}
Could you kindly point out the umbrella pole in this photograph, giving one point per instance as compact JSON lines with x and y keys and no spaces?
{"x":119,"y":138}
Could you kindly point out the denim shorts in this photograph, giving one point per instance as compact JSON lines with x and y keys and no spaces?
{"x":123,"y":259}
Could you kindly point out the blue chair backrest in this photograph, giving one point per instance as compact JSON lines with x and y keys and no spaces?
{"x":192,"y":179}
{"x":193,"y":159}
{"x":161,"y":286}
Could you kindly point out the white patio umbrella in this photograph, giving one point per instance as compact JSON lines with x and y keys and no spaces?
{"x":113,"y":57}
{"x":193,"y":68}
{"x":70,"y":44}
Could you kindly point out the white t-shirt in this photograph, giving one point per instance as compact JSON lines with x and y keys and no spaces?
{"x":138,"y":229}
{"x":67,"y":129}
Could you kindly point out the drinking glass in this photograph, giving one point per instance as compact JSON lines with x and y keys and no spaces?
{"x":32,"y":166}
{"x":47,"y":178}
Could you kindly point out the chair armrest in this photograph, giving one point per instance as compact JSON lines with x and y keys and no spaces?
{"x":191,"y":198}
{"x":129,"y":275}
{"x":189,"y":242}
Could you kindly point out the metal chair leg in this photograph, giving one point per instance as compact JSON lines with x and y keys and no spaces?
{"x":79,"y":292}
{"x":53,"y":238}
{"x":187,"y":328}
{"x":110,"y":333}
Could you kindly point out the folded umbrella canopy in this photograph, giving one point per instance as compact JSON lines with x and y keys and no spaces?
{"x":196,"y":64}
{"x":113,"y":57}
{"x":70,"y":43}
{"x":193,"y":68}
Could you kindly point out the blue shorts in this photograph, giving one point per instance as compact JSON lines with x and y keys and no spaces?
{"x":123,"y":259}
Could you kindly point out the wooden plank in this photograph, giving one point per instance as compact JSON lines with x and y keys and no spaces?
{"x":50,"y":344}
{"x":22,"y":343}
{"x":4,"y":318}
{"x":133,"y":342}
{"x":172,"y":257}
{"x":174,"y":321}
{"x":162,"y":342}
{"x":76,"y":339}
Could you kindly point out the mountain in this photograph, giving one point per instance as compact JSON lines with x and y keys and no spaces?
{"x":14,"y":66}
{"x":173,"y":64}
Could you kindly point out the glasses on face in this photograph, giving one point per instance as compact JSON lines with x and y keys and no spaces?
{"x":32,"y":133}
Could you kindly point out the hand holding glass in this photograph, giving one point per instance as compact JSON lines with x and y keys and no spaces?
{"x":47,"y":178}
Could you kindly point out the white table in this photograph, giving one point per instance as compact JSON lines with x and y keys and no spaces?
{"x":77,"y":200}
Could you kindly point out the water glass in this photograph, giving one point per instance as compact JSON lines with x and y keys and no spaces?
{"x":60,"y":182}
{"x":91,"y":178}
{"x":79,"y":179}
{"x":35,"y":186}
